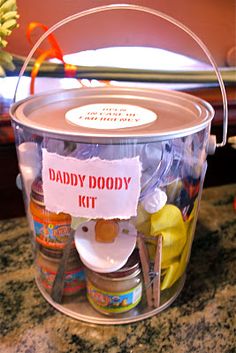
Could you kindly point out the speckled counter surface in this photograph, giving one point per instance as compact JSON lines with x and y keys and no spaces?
{"x":202,"y":319}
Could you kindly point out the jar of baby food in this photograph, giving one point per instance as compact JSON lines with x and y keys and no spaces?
{"x":116,"y":292}
{"x":51,"y":230}
{"x":47,"y":263}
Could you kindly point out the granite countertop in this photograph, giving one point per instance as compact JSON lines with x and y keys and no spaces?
{"x":202,"y":319}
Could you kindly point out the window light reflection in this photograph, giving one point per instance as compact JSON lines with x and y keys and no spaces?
{"x":135,"y":58}
{"x":122,"y":57}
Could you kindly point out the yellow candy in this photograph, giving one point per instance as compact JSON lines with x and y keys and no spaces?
{"x":170,"y":275}
{"x":177,"y":239}
{"x":177,"y":268}
{"x":169,"y":223}
{"x":165,"y":265}
{"x":186,"y":251}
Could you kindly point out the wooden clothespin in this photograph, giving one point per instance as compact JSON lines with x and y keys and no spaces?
{"x":152,"y":279}
{"x":145,"y":263}
{"x":157,"y":273}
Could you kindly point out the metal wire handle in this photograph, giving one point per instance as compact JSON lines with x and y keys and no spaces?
{"x":149,"y":11}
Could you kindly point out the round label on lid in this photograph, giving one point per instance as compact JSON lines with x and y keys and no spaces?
{"x":110,"y":116}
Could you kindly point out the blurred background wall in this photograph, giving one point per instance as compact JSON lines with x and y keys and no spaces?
{"x":212,"y":20}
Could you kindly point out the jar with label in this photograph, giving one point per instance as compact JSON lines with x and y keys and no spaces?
{"x":51,"y":230}
{"x":47,"y":263}
{"x":116,"y":292}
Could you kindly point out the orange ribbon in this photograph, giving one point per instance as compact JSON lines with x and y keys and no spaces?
{"x":54,"y":52}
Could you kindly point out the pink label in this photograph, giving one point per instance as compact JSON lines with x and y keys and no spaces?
{"x":92,"y":188}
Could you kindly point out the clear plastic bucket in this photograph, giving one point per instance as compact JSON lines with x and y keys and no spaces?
{"x":112,"y":180}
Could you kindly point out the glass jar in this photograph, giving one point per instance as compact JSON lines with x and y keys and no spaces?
{"x":47,"y":263}
{"x":116,"y":292}
{"x":51,"y":230}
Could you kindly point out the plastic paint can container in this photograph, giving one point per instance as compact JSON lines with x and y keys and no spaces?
{"x":136,"y":155}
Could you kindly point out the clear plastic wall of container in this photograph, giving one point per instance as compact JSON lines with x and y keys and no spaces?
{"x":100,"y":284}
{"x":112,"y":208}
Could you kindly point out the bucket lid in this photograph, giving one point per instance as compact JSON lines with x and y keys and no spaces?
{"x":114,"y":114}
